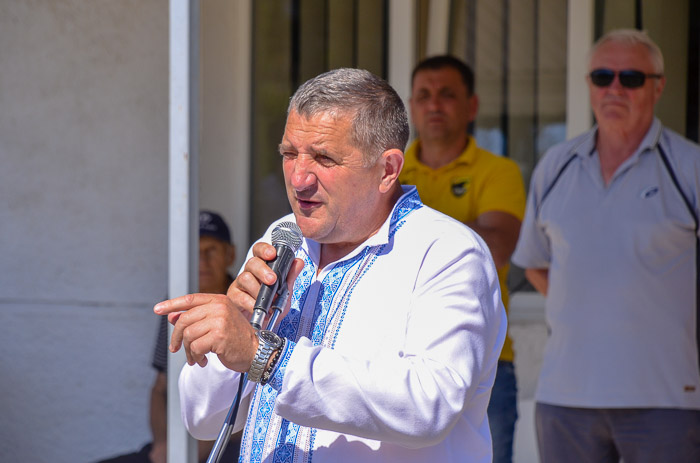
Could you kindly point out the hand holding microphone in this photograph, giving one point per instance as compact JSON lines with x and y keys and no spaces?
{"x":222,"y":324}
{"x":216,"y":323}
{"x":286,"y":238}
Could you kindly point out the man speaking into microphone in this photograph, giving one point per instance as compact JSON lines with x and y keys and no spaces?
{"x":388,"y":350}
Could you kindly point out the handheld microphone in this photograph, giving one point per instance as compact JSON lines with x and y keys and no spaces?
{"x":286,"y":238}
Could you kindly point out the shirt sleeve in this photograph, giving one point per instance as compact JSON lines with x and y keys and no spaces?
{"x":206,"y":396}
{"x":414,"y":398}
{"x":503,"y":190}
{"x":533,"y":248}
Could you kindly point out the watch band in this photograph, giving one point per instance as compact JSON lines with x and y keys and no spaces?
{"x":275,"y":358}
{"x":268,"y":342}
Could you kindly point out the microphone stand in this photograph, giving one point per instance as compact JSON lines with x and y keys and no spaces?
{"x":225,"y":433}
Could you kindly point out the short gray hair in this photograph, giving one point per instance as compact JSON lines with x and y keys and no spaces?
{"x":379,"y":120}
{"x":632,"y":37}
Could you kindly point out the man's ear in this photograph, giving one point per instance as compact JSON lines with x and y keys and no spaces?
{"x":659,"y":88}
{"x":392,"y":163}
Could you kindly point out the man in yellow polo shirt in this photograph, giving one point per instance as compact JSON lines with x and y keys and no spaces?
{"x":476,"y":187}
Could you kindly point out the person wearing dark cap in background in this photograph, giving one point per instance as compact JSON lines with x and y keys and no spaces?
{"x":216,"y":254}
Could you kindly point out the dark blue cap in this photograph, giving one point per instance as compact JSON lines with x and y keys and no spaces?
{"x":212,"y":224}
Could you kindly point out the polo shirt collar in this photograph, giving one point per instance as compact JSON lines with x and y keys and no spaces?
{"x":468,"y":156}
{"x":652,"y":138}
{"x":411,"y":161}
{"x":586,"y":147}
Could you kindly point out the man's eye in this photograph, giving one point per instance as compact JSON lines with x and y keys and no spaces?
{"x":325,"y":160}
{"x":288,"y":155}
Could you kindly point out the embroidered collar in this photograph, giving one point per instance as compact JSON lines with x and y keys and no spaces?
{"x":407,"y":203}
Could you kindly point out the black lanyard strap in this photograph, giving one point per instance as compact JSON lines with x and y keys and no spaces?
{"x":691,"y":210}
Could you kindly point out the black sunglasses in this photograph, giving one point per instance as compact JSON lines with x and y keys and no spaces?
{"x":629,"y":78}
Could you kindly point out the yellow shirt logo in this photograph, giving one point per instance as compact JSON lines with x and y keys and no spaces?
{"x":459,"y":186}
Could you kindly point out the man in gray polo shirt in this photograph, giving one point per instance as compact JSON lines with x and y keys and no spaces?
{"x":610,"y":237}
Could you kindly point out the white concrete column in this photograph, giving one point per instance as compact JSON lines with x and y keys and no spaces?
{"x":183,"y":204}
{"x":438,"y":27}
{"x":580,"y":37}
{"x":402,"y":46}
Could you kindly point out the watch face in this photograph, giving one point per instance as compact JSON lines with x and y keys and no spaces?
{"x":270,"y":338}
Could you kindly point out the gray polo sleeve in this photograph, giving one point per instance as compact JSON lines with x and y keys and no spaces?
{"x":533,"y":249}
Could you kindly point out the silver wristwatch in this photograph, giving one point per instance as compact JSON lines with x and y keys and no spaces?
{"x":268,"y":342}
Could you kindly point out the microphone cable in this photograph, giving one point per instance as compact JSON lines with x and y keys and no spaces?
{"x":286,"y":238}
{"x":224,"y":436}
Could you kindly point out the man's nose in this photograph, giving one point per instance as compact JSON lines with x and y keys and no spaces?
{"x":303,"y":176}
{"x":433,"y":102}
{"x":615,"y":84}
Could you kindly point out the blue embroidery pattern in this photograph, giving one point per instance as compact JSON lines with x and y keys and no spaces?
{"x":278,"y":376}
{"x":289,"y":327}
{"x":408,"y":204}
{"x":321,"y":323}
{"x":329,"y":290}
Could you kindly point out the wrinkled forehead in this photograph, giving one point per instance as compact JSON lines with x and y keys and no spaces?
{"x":336,"y":119}
{"x":302,"y":132}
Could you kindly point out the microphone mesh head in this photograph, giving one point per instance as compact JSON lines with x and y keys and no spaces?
{"x":288,"y":234}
